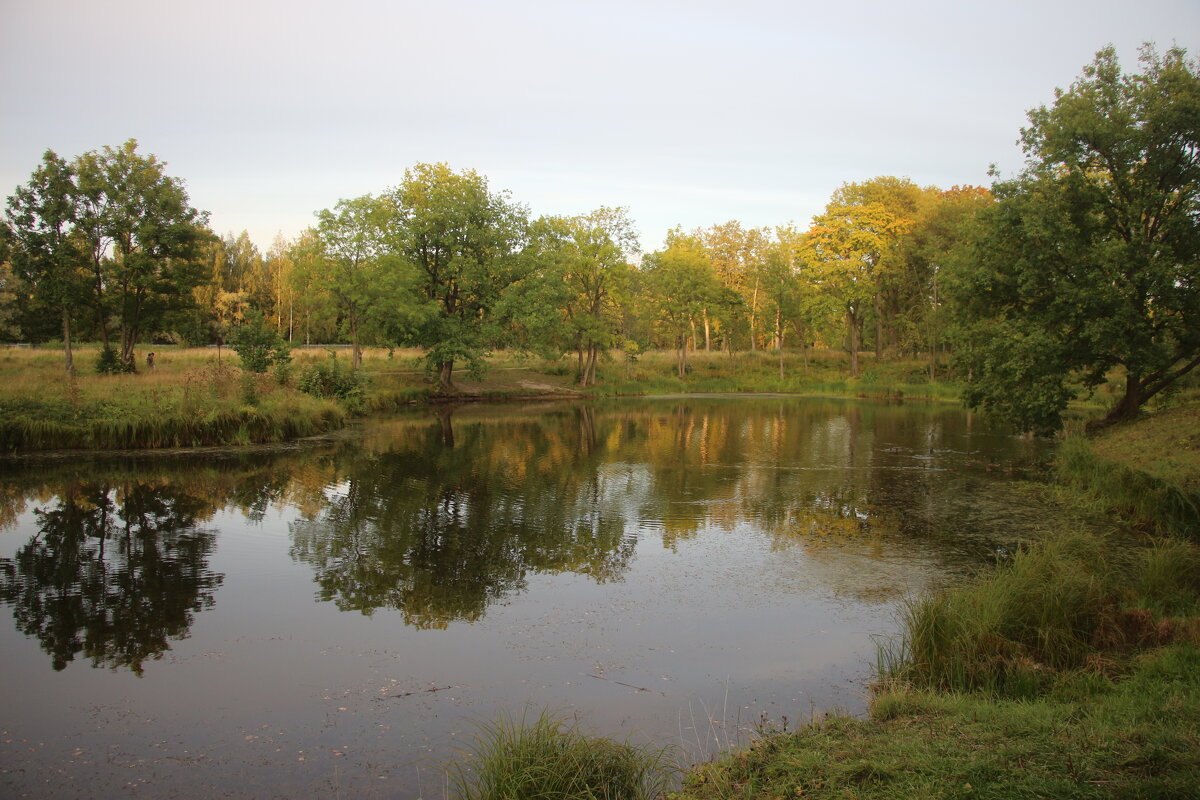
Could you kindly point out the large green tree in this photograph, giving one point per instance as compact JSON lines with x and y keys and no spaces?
{"x":844,"y":248}
{"x":142,"y":237}
{"x":680,"y":284}
{"x":464,"y":241}
{"x":42,"y":218}
{"x":1088,"y":261}
{"x":352,"y":239}
{"x":569,"y":297}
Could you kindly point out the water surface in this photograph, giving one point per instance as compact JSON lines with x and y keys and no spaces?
{"x":332,"y":619}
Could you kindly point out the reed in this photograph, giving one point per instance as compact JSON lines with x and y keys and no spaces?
{"x":550,"y":758}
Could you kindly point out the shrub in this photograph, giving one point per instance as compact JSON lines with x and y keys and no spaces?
{"x":333,"y":380}
{"x":259,"y":345}
{"x":110,"y":363}
{"x":553,"y":760}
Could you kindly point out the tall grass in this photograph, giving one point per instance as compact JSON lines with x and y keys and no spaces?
{"x":1073,"y":601}
{"x":552,"y":759}
{"x":190,"y":399}
{"x":1169,"y":507}
{"x":825,"y":373}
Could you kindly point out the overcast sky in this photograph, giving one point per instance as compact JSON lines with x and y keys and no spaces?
{"x":688,"y":113}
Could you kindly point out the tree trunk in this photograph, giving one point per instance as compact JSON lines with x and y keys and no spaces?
{"x":1126,"y":408}
{"x":357,"y":357}
{"x":781,"y":355}
{"x":753,"y":315}
{"x":852,"y":324}
{"x":878,"y":328}
{"x":779,"y":338}
{"x":587,"y":372}
{"x":707,"y":332}
{"x":681,"y":355}
{"x":66,"y":323}
{"x":446,"y":376}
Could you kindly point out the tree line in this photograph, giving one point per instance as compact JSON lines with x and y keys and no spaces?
{"x":1033,"y":290}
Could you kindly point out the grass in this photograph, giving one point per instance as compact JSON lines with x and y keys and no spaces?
{"x":200,"y":396}
{"x":189,"y":399}
{"x":1149,"y":469}
{"x":1089,"y":737}
{"x":825,"y":373}
{"x":552,"y":759}
{"x":1075,"y":601}
{"x":1072,"y":671}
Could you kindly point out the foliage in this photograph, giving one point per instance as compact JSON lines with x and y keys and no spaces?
{"x":370,"y":288}
{"x":845,"y":247}
{"x":576,"y":280}
{"x":333,"y":380}
{"x":108,"y":362}
{"x":680,"y":284}
{"x":46,"y":252}
{"x":462,"y":240}
{"x":551,"y":759}
{"x":258,"y":345}
{"x":1088,"y":260}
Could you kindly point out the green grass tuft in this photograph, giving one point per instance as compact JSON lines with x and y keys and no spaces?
{"x":551,"y":759}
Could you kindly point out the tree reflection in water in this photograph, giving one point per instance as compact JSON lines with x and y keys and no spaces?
{"x":113,"y":573}
{"x":440,"y":526}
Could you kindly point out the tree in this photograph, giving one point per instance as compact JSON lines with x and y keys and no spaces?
{"x":351,"y":235}
{"x":308,"y":284}
{"x":567,"y":299}
{"x":142,"y":237}
{"x":737,"y":256}
{"x":788,"y":295}
{"x":259,"y":345}
{"x":680,"y":284}
{"x":940,"y":226}
{"x":1088,"y":261}
{"x":463,"y":241}
{"x":896,"y":278}
{"x":42,"y":220}
{"x":11,"y":286}
{"x":844,"y":247}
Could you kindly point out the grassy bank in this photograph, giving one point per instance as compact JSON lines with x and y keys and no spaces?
{"x":821,"y":372}
{"x":1072,"y":671}
{"x":191,"y":398}
{"x":201,"y":396}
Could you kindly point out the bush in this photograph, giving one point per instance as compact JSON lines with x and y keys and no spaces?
{"x":333,"y":380}
{"x":552,"y":760}
{"x":259,"y":345}
{"x":110,"y":363}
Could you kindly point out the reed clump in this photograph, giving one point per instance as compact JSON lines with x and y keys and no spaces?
{"x":553,"y":759}
{"x":1075,"y":601}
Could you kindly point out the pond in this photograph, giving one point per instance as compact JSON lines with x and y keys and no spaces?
{"x":335,"y":618}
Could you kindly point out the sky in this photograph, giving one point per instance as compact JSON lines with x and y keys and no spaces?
{"x":686,"y":113}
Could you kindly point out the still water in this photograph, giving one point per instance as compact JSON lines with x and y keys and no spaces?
{"x":335,"y":618}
